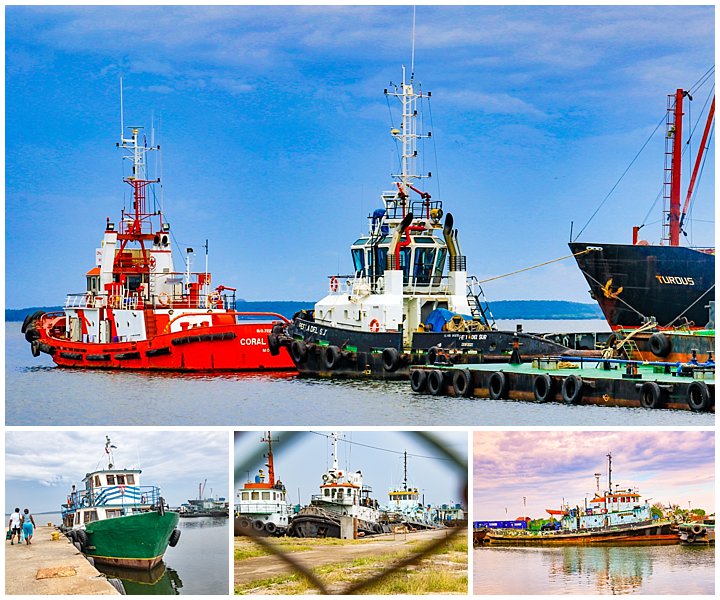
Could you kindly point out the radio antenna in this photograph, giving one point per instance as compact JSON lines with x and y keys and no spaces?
{"x":412,"y":56}
{"x":122,"y":123}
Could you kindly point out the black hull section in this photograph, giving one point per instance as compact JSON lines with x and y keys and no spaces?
{"x":318,"y":526}
{"x":363,"y":354}
{"x":657,"y":281}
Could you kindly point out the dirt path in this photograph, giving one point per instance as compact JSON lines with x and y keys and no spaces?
{"x":263,"y":567}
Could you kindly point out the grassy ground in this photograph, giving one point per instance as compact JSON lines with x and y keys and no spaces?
{"x":443,"y":572}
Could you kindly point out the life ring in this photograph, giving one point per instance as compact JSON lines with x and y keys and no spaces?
{"x":374,"y":325}
{"x":298,"y":351}
{"x":498,"y":386}
{"x":331,"y":357}
{"x":572,"y":389}
{"x":212,"y":299}
{"x":418,"y":379}
{"x":153,"y":263}
{"x":543,"y":388}
{"x":462,"y":383}
{"x":659,"y":344}
{"x":334,"y":284}
{"x":698,"y":396}
{"x":436,"y":382}
{"x":164,"y":299}
{"x":651,"y":395}
{"x":391,"y":359}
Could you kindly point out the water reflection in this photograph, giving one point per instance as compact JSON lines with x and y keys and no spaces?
{"x":203,"y":522}
{"x":160,"y":580}
{"x":594,"y":570}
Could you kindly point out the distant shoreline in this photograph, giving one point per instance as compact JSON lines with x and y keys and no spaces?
{"x":551,"y":310}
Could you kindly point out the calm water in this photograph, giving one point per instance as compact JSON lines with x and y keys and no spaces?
{"x":197,"y":565}
{"x":676,"y":570}
{"x":38,"y":393}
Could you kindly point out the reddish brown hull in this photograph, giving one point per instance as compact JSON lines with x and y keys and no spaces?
{"x":129,"y":563}
{"x":239,"y":347}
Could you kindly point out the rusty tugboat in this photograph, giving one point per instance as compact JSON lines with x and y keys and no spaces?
{"x":138,"y":312}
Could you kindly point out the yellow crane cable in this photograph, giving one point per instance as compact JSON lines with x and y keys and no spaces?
{"x":540,"y":265}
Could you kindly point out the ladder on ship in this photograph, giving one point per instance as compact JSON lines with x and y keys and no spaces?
{"x":479,"y":306}
{"x":150,"y":324}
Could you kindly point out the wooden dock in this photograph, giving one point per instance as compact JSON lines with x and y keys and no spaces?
{"x":50,"y":566}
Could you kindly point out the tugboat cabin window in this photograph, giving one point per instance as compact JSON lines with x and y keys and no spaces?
{"x":266,"y":495}
{"x":246,"y":495}
{"x":111,"y":479}
{"x":327,"y":491}
{"x":130,"y":479}
{"x":89,"y":516}
{"x":424,"y":261}
{"x":121,"y":479}
{"x":112,"y":513}
{"x":256,"y":496}
{"x":93,"y":284}
{"x":97,"y":480}
{"x":358,"y":256}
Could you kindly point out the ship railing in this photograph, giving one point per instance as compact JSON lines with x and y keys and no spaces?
{"x":113,"y":495}
{"x":260,"y":507}
{"x":419,"y":208}
{"x":341,"y":499}
{"x":360,"y":285}
{"x":213,"y":300}
{"x":85,"y":300}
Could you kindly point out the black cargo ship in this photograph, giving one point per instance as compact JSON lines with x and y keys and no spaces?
{"x":668,"y":285}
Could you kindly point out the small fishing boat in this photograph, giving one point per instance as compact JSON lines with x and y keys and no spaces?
{"x":659,"y":297}
{"x":261,"y":507}
{"x":116,"y":521}
{"x":139,"y":312}
{"x":203,"y":506}
{"x":343,"y":509}
{"x":613,"y":517}
{"x":409,"y":299}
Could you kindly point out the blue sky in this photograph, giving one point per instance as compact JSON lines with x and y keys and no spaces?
{"x":301,"y":461}
{"x":41,"y":466}
{"x":546,"y":467}
{"x":275,"y":132}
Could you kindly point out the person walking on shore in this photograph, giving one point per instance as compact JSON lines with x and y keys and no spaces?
{"x":28,"y":526}
{"x":15,"y":525}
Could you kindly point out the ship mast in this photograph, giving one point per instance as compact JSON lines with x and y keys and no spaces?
{"x":334,"y":438}
{"x":405,"y":471}
{"x":270,"y":463}
{"x":673,"y":148}
{"x":108,"y":450}
{"x":609,"y":457}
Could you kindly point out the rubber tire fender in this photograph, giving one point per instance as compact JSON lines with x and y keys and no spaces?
{"x":698,"y":396}
{"x":30,"y":318}
{"x":432,"y":355}
{"x":651,"y":395}
{"x":543,"y":388}
{"x":174,"y":538}
{"x":35,"y":348}
{"x":273,"y":344}
{"x":78,"y":546}
{"x":498,"y":386}
{"x":463,"y":383}
{"x":82,"y":537}
{"x":298,"y":351}
{"x":659,"y":344}
{"x":331,"y":357}
{"x":418,"y":380}
{"x":697,"y":529}
{"x":391,"y":359}
{"x":436,"y":382}
{"x":258,"y":525}
{"x":270,"y":527}
{"x":32,"y":334}
{"x":244,"y":522}
{"x":572,"y":389}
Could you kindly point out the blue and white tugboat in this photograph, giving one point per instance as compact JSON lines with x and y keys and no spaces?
{"x":409,"y":299}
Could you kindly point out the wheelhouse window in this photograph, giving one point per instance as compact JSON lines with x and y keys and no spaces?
{"x":130,"y":479}
{"x":255,"y":495}
{"x":358,"y":256}
{"x":89,"y":516}
{"x":424,"y":261}
{"x":121,"y":479}
{"x":111,"y":479}
{"x":440,"y":263}
{"x":266,"y":495}
{"x":97,"y":480}
{"x":113,"y":513}
{"x":246,"y":495}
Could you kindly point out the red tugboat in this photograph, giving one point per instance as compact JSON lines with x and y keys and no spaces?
{"x":138,"y":312}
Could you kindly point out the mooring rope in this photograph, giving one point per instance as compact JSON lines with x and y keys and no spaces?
{"x":539,"y":265}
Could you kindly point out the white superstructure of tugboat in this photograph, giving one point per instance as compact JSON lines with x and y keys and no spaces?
{"x":409,"y":299}
{"x":343,"y":509}
{"x":261,"y":506}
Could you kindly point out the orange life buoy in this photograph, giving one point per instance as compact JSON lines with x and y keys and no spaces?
{"x":334,"y":284}
{"x":374,"y":325}
{"x":164,"y":299}
{"x":213,"y":300}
